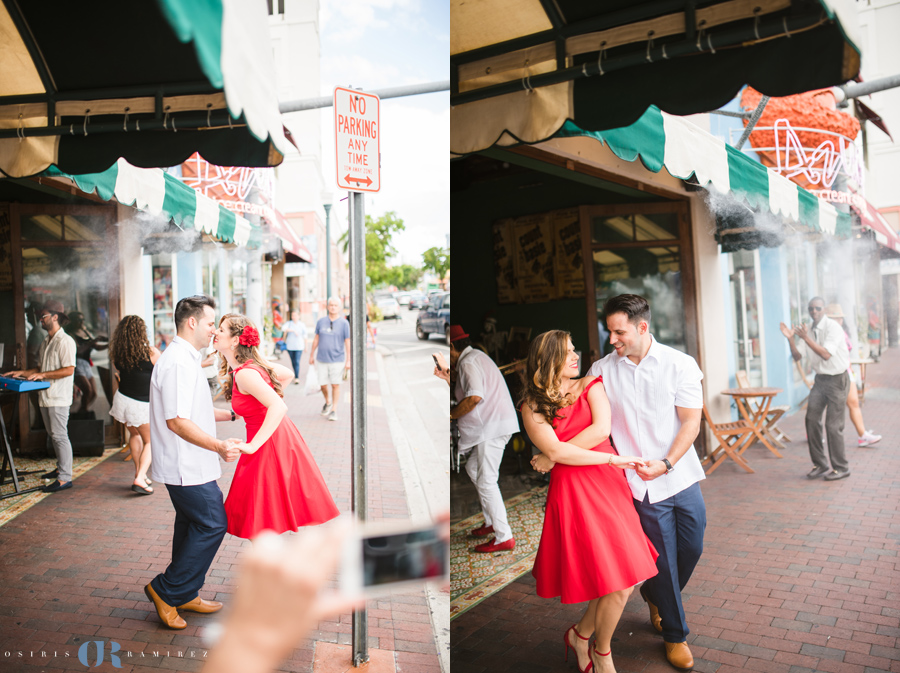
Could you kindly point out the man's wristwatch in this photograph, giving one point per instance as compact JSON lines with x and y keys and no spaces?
{"x":234,"y":418}
{"x":668,"y":465}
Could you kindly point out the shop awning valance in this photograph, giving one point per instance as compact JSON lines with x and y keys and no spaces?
{"x":690,"y":153}
{"x":151,"y":81}
{"x":159,"y":193}
{"x":521,"y":68}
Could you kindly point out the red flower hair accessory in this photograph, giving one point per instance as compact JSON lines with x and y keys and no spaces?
{"x":249,"y":336}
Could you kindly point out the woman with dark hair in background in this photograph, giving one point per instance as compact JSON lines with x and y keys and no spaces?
{"x":865,"y":437}
{"x":130,"y":351}
{"x":277,"y":485}
{"x":592,"y":545}
{"x":85,"y":343}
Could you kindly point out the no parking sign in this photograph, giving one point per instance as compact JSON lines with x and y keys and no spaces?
{"x":357,"y":130}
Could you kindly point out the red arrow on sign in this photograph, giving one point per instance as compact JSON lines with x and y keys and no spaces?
{"x":367,"y":181}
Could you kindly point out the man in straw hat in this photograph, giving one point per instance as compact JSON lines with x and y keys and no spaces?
{"x":56,"y":364}
{"x":823,"y":342}
{"x":487,"y":419}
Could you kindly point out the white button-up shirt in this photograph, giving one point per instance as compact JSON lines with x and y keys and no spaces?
{"x":55,"y":353}
{"x":493,"y":417}
{"x":644,"y":419}
{"x":178,"y":389}
{"x":830,"y":336}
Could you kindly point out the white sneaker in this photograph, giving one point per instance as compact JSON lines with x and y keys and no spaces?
{"x":868,"y":439}
{"x":332,"y":416}
{"x":326,"y":409}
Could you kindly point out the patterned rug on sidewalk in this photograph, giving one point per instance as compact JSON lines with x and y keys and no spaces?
{"x":29,"y":472}
{"x":473,"y":576}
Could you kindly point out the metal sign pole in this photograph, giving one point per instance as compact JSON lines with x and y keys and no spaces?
{"x":358,"y":392}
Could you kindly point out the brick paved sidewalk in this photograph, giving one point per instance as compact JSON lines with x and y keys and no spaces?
{"x":73,"y":567}
{"x":797,"y":575}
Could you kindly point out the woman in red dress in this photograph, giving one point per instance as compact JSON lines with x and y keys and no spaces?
{"x":277,"y":485}
{"x":592,"y":546}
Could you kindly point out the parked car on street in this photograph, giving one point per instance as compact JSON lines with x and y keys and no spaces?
{"x":417,"y":301}
{"x":402,"y":298}
{"x":435,"y":318}
{"x":389,"y":307}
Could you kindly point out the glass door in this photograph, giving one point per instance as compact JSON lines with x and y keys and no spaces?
{"x":746,"y":317}
{"x":642,"y":249}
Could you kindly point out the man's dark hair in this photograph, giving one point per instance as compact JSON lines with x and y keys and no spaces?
{"x":632,"y":305}
{"x":817,"y":298}
{"x":192,"y":307}
{"x":461,"y":344}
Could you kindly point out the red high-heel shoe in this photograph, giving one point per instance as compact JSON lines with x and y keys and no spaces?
{"x":568,"y":646}
{"x":599,"y":654}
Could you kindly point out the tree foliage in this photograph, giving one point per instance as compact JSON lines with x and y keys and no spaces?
{"x":379,"y":234}
{"x":437,"y":260}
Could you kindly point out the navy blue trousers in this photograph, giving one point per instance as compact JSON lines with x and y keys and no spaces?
{"x":200,"y":525}
{"x":295,"y":362}
{"x":675,"y":527}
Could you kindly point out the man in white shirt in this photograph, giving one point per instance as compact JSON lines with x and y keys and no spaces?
{"x":486,"y":419}
{"x":186,"y":459}
{"x":824,"y":343}
{"x":656,"y":400}
{"x":56,"y":364}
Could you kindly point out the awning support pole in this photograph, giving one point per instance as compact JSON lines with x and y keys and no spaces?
{"x":392,"y":92}
{"x":359,"y":632}
{"x":757,"y":113}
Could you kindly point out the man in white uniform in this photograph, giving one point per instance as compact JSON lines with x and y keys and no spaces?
{"x":186,"y":459}
{"x":486,"y":419}
{"x":656,"y":400}
{"x":830,"y":359}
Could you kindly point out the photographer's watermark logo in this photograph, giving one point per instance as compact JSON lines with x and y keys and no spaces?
{"x":98,"y":647}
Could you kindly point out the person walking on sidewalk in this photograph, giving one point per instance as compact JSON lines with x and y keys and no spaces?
{"x":277,"y":485}
{"x":134,"y":358}
{"x":866,"y":437}
{"x":186,"y":459}
{"x":486,"y":419}
{"x":295,"y":334}
{"x":330,"y":352}
{"x":656,"y":400}
{"x":592,"y":546}
{"x":56,"y":363}
{"x":823,"y":343}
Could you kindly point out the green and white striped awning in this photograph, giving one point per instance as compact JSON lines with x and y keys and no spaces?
{"x":159,"y":193}
{"x":685,"y":150}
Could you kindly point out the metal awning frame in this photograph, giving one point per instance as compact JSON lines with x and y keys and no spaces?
{"x":694,"y":43}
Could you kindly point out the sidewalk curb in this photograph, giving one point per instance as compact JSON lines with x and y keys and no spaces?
{"x":417,"y":502}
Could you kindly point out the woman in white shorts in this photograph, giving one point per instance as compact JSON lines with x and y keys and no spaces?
{"x":134,"y":357}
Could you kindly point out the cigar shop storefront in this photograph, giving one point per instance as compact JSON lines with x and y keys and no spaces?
{"x":547,"y":232}
{"x":105,"y":245}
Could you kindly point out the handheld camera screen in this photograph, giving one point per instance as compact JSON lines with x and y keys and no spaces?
{"x":403,"y":557}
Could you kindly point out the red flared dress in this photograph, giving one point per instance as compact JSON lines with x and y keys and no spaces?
{"x":280,"y":487}
{"x":592,"y":542}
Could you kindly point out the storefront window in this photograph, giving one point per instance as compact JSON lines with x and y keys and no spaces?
{"x":635,"y":227}
{"x":239,"y":287}
{"x":653,"y":273}
{"x":163,"y":301}
{"x":798,"y":288}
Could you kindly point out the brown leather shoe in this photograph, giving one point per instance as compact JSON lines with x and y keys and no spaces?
{"x":655,"y":619}
{"x":200,"y":605}
{"x":167,"y":614}
{"x":679,"y":655}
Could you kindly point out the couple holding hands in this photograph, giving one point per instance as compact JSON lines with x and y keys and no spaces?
{"x":622,"y":516}
{"x":276,"y":485}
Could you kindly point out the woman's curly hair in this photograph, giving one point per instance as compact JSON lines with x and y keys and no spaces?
{"x":129,"y":346}
{"x":236,"y":325}
{"x":543,"y":374}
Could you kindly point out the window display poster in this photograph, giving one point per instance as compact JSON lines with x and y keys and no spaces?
{"x":504,"y":262}
{"x":535,"y":275}
{"x":569,"y":262}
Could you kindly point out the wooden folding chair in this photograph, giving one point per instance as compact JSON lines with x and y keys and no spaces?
{"x":732,"y":438}
{"x":770,"y":429}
